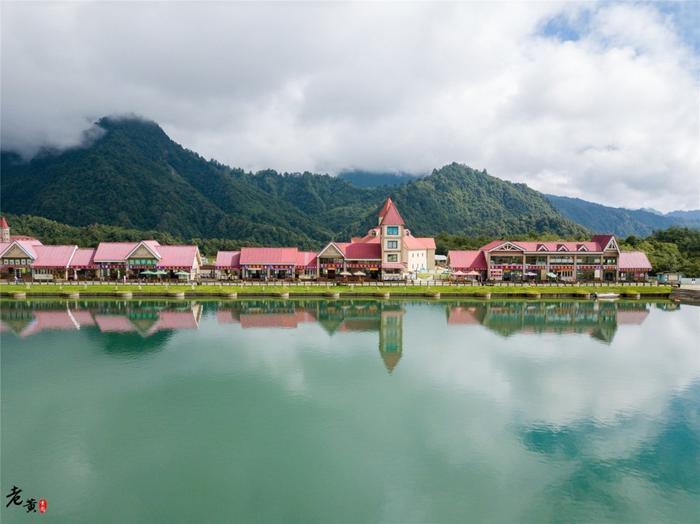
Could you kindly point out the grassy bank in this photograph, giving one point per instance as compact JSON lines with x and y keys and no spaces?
{"x":398,"y":291}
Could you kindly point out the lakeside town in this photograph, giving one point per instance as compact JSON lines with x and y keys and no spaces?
{"x":387,"y":252}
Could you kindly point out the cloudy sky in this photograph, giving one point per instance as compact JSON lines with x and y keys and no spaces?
{"x":595,"y":100}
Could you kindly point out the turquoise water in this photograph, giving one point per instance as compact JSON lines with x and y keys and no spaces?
{"x":351,"y":411}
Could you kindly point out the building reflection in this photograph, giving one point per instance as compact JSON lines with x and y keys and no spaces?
{"x":596,"y":318}
{"x":337,"y":316}
{"x":25,"y":319}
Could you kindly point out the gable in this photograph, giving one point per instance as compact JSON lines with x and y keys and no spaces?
{"x":542,"y":247}
{"x":331,"y":251}
{"x":15,"y":251}
{"x":562,"y":247}
{"x":507,"y":246}
{"x":581,"y":247}
{"x":142,"y":251}
{"x":612,"y":245}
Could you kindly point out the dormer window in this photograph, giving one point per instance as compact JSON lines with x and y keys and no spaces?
{"x":581,"y":247}
{"x":562,"y":247}
{"x":541,"y":247}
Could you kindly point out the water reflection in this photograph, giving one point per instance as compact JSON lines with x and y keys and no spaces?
{"x":598,"y":319}
{"x":386,"y":318}
{"x":146,"y":319}
{"x":505,"y":411}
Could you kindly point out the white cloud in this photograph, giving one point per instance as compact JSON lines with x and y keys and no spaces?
{"x":610,"y":114}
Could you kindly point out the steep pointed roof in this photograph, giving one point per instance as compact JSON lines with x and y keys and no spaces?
{"x":388,"y":202}
{"x":389,"y":215}
{"x":3,"y":223}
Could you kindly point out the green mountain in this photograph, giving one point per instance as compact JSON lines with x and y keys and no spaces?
{"x":620,"y":221}
{"x":135,"y":177}
{"x":368,"y":179}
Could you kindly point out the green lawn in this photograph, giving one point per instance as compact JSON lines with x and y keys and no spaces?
{"x":111,"y":289}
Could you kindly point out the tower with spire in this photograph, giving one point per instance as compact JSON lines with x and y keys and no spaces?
{"x":391,"y":233}
{"x":4,"y":230}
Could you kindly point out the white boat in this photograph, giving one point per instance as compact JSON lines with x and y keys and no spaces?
{"x":606,"y":295}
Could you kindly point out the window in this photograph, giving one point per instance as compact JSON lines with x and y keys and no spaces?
{"x":392,"y":230}
{"x":392,"y":244}
{"x":392,"y":257}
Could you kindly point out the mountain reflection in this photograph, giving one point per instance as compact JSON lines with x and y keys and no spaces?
{"x":598,"y":319}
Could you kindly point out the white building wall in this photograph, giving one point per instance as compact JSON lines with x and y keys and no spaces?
{"x":417,"y":259}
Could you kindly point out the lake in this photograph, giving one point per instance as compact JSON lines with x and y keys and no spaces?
{"x":351,"y":411}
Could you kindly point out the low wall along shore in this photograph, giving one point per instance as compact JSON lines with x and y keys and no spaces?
{"x":76,"y":290}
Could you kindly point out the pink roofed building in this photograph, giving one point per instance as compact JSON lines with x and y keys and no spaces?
{"x":145,"y":259}
{"x":228,"y":265}
{"x":388,"y":251}
{"x":598,"y":259}
{"x":264,"y":263}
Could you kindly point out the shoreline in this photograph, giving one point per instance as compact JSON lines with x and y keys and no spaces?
{"x":128,"y":291}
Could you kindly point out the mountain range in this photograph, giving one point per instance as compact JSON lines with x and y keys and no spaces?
{"x":134,"y":177}
{"x":595,"y":217}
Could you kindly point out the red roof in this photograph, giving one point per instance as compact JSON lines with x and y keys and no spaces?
{"x":306,"y":259}
{"x":279,"y":256}
{"x":177,"y":256}
{"x":26,"y":245}
{"x":471,"y":260}
{"x":360,"y":250}
{"x":53,"y":256}
{"x":3,"y":223}
{"x":634,"y":260}
{"x":412,"y":242}
{"x":387,"y":203}
{"x":83,"y":257}
{"x":602,"y":240}
{"x":113,"y":251}
{"x":390,"y":215}
{"x":228,"y":259}
{"x":554,"y":246}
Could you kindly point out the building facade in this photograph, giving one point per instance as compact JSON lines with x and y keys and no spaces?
{"x":387,"y":252}
{"x":599,"y":259}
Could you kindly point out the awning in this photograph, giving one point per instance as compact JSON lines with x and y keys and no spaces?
{"x":345,"y":273}
{"x":472,"y":273}
{"x":393,"y":265}
{"x":359,"y":274}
